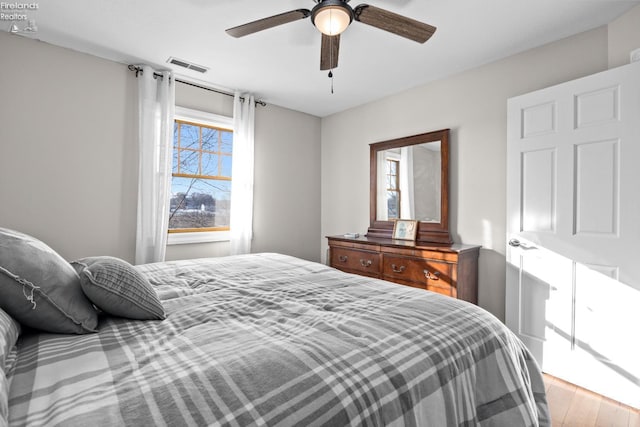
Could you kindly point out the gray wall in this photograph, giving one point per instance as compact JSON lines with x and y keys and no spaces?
{"x":624,"y":36}
{"x":67,"y":149}
{"x":426,"y":172}
{"x":68,"y":157}
{"x":287,"y":183}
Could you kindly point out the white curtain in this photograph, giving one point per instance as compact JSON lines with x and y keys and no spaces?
{"x":156,"y":105}
{"x":382,"y":207}
{"x":242,"y":170}
{"x":407,"y":202}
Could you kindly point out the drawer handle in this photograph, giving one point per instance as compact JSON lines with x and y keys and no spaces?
{"x":343,"y":258}
{"x":397,"y":269}
{"x":365,"y":262}
{"x":432,"y":276}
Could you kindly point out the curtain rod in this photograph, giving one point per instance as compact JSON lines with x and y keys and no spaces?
{"x":156,"y":75}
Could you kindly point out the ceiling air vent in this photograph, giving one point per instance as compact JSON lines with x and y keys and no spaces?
{"x":188,"y":65}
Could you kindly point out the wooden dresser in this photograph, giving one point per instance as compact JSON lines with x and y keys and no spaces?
{"x":449,"y":270}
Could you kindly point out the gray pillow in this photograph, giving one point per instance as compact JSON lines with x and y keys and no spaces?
{"x":118,"y":288}
{"x":40,"y":289}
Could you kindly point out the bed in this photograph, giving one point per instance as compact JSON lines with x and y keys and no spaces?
{"x":269,"y":339}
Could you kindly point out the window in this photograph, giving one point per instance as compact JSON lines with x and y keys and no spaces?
{"x":393,"y":189}
{"x":201,"y":177}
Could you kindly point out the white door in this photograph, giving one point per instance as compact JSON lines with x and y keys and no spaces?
{"x":573,"y":227}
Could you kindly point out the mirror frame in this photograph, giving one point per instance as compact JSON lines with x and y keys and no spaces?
{"x":428,"y":232}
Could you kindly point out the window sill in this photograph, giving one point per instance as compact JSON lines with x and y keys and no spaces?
{"x":198,"y":237}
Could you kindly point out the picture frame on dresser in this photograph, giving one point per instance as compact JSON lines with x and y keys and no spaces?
{"x":405,"y":229}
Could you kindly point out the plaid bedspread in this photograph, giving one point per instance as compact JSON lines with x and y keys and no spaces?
{"x":268,"y":339}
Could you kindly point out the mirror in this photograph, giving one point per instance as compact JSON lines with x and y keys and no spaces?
{"x":410,"y":180}
{"x":408,"y":184}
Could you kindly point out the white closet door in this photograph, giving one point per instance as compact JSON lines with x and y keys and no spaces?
{"x":573,"y":221}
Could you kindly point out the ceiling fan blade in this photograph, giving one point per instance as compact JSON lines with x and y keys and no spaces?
{"x":329,"y":50}
{"x":270,"y":22}
{"x":394,"y":23}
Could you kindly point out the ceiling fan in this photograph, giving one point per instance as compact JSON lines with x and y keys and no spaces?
{"x":332,"y":17}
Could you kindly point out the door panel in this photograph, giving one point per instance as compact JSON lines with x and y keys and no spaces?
{"x":538,"y":193}
{"x":573,"y":215}
{"x":545,"y":289}
{"x":538,"y":120}
{"x":596,"y":187}
{"x":597,"y":107}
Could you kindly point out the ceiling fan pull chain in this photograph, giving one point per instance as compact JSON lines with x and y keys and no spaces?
{"x":331,"y":77}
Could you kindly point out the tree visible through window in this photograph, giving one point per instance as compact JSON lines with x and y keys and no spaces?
{"x":393,"y":189}
{"x":201,"y":183}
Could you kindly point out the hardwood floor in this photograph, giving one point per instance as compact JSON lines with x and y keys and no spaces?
{"x":573,"y":406}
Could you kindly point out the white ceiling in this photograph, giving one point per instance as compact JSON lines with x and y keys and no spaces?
{"x":281,"y":65}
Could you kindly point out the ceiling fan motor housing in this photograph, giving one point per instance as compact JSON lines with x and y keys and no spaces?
{"x":326,"y":5}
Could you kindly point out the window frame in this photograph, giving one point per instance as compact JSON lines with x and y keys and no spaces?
{"x":396,"y":178}
{"x":203,"y":118}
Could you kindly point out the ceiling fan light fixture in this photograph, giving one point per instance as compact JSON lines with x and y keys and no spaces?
{"x":332,"y":17}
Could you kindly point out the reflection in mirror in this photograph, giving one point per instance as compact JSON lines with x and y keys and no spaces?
{"x":409,"y":183}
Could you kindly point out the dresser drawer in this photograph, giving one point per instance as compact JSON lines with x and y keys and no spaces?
{"x":354,"y":260}
{"x":425,"y":273}
{"x":443,"y":288}
{"x":430,"y":285}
